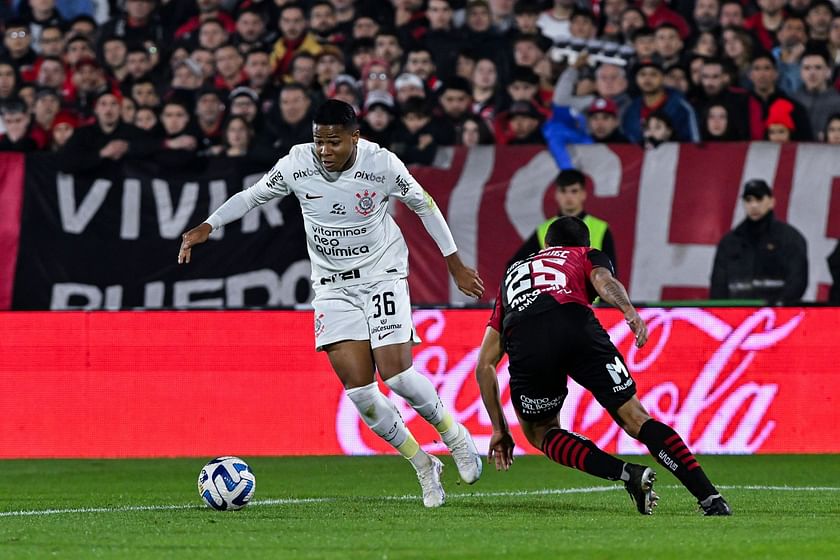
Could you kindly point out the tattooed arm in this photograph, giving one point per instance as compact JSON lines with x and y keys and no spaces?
{"x":613,"y":292}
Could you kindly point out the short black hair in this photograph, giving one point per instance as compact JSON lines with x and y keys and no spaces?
{"x":293,"y":86}
{"x":764,"y":55}
{"x":15,"y":23}
{"x":569,"y":177}
{"x":567,"y":231}
{"x":255,"y":51}
{"x":833,"y":117}
{"x":667,"y":25}
{"x":336,"y":112}
{"x":415,"y":106}
{"x":292,"y":6}
{"x":76,"y":39}
{"x":83,"y":18}
{"x":815,"y":49}
{"x":13,"y":105}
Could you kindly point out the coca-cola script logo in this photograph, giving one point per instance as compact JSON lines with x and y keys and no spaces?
{"x":693,"y":374}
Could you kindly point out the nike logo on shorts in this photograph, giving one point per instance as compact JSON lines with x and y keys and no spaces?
{"x":383,"y":335}
{"x":313,"y":196}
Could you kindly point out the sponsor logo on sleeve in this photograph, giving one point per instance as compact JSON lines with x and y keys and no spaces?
{"x":402,"y":184}
{"x":275,"y":179}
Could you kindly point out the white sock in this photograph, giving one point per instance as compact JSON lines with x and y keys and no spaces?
{"x":419,"y":392}
{"x":384,"y":419}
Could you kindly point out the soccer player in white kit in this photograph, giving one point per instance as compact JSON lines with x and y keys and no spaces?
{"x":359,"y":269}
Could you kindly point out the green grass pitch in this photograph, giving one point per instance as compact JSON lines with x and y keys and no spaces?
{"x":369,"y":507}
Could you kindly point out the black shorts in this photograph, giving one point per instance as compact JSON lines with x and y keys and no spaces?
{"x":567,"y":341}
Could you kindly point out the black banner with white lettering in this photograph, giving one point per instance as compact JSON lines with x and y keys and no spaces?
{"x":111,"y":241}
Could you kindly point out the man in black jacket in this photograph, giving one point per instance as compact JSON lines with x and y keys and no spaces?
{"x":103,"y":145}
{"x":762,"y":258}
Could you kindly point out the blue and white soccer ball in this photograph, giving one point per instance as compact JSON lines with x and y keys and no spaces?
{"x":226,"y":483}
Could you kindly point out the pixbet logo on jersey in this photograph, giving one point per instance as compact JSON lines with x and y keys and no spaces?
{"x":369,"y":176}
{"x":303,"y":173}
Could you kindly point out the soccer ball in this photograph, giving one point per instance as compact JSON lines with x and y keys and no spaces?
{"x":226,"y":483}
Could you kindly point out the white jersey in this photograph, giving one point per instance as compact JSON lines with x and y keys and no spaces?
{"x":553,"y":28}
{"x":350,"y":237}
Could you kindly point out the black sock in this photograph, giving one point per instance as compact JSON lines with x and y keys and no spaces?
{"x":577,"y":452}
{"x":670,"y":451}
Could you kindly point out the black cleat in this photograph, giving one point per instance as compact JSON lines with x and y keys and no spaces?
{"x":716,"y":506}
{"x":640,"y":488}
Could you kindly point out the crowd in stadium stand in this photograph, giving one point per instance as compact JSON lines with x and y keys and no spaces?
{"x":178,"y":81}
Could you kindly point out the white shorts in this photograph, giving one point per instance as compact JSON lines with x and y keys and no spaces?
{"x":378,"y":311}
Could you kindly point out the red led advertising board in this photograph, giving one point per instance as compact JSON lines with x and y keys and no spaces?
{"x":157,"y":384}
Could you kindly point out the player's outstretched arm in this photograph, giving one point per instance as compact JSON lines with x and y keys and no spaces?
{"x":612,"y":291}
{"x":501,"y":445}
{"x":193,"y":237}
{"x":466,"y":278}
{"x":269,"y":186}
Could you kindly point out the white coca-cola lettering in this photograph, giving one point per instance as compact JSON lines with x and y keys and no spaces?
{"x":721,"y":411}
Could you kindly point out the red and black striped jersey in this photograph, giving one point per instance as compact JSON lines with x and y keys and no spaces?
{"x":553,"y":276}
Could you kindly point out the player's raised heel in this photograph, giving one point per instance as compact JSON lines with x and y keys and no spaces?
{"x":640,"y":488}
{"x":429,"y":477}
{"x":715,"y":505}
{"x":466,"y":456}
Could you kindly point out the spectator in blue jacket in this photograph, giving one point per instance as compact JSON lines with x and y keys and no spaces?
{"x":656,"y":97}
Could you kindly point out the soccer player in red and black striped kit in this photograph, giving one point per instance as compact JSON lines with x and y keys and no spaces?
{"x":544,"y":322}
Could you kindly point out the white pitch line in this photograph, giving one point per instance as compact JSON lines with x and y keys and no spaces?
{"x":784,"y":488}
{"x":294,"y":501}
{"x":543,"y":492}
{"x":270,"y":502}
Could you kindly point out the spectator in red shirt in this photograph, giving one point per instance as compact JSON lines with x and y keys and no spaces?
{"x":764,"y":93}
{"x":765,"y":23}
{"x":322,"y":22}
{"x":251,"y":32}
{"x":63,"y":127}
{"x":779,"y":121}
{"x":212,"y":34}
{"x":657,"y":12}
{"x":207,"y":9}
{"x":731,"y":14}
{"x":524,"y":120}
{"x":229,"y":73}
{"x":47,"y":105}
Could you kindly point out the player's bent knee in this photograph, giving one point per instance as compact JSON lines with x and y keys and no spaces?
{"x":535,"y":430}
{"x":631,"y":415}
